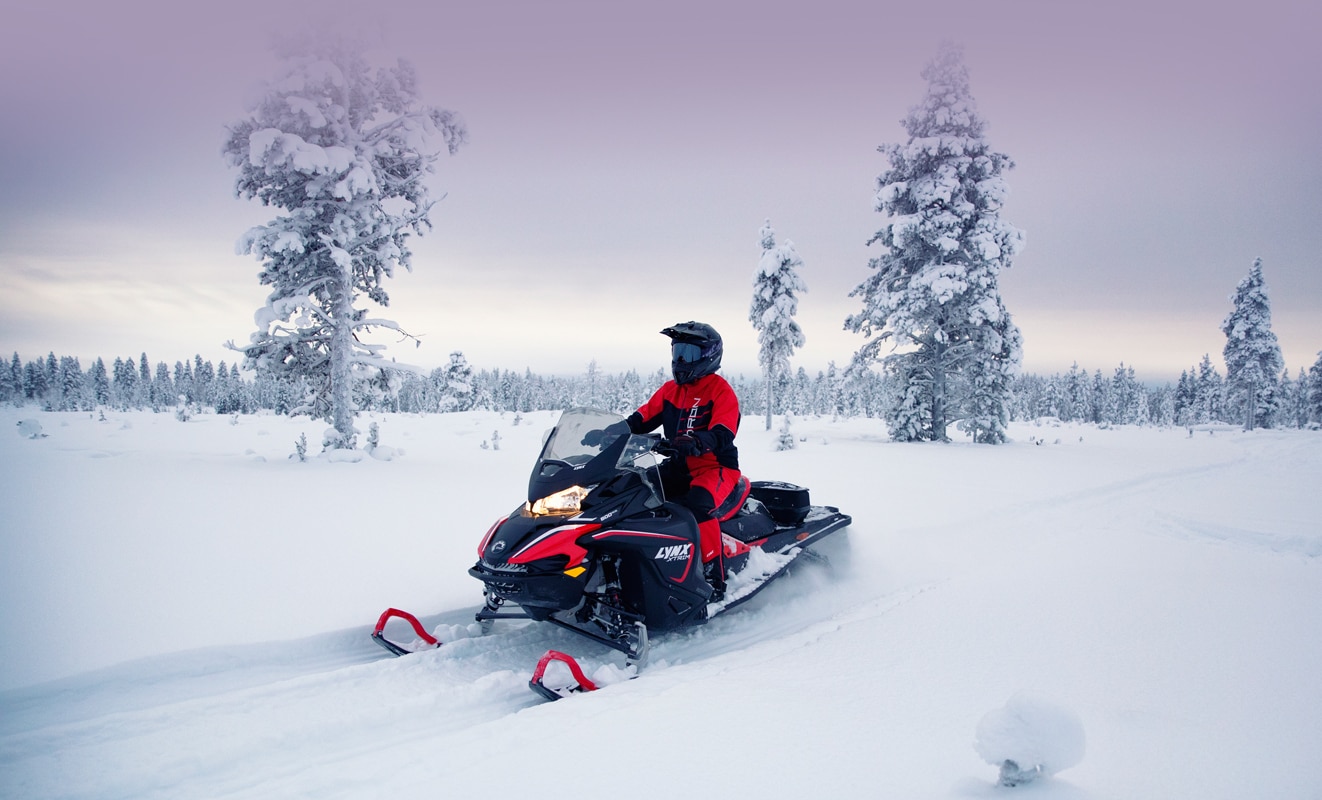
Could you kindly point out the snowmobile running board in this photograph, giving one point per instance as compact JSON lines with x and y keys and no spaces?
{"x":396,"y":649}
{"x":581,"y":683}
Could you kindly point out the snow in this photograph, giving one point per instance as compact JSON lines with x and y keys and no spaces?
{"x":1029,"y":737}
{"x":187,"y":608}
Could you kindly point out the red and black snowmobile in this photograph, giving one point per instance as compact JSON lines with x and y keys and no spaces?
{"x":597,"y":549}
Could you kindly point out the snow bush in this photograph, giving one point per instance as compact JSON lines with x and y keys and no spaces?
{"x":785,"y":439}
{"x":1029,"y":737}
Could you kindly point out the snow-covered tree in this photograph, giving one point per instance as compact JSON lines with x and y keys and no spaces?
{"x":344,"y":150}
{"x":1294,"y":400}
{"x":455,"y":381}
{"x":834,"y":404}
{"x":1161,"y":407}
{"x":933,"y":295}
{"x":52,"y":375}
{"x":785,"y":439}
{"x":1207,"y":392}
{"x":1253,"y":357}
{"x":1183,"y":399}
{"x":123,"y":380}
{"x":592,"y":390}
{"x":183,"y":381}
{"x":35,"y":386}
{"x":1129,"y":401}
{"x":71,"y":386}
{"x":162,"y":388}
{"x":204,"y":378}
{"x":776,"y":289}
{"x":1076,"y":393}
{"x":1099,"y":399}
{"x":98,"y":383}
{"x":11,"y":380}
{"x":1313,"y":392}
{"x":998,"y":351}
{"x":909,"y":418}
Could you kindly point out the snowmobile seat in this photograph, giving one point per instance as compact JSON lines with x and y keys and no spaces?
{"x":750,"y":525}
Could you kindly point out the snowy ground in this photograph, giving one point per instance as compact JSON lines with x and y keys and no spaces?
{"x":184,"y":614}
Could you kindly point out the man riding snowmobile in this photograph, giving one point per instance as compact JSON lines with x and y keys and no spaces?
{"x":698,"y":413}
{"x":604,"y":545}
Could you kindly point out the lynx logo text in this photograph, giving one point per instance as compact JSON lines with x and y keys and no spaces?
{"x":679,"y":552}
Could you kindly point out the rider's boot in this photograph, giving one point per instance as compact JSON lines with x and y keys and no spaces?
{"x":714,"y":572}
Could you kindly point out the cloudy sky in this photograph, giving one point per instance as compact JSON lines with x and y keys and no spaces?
{"x":624,"y":155}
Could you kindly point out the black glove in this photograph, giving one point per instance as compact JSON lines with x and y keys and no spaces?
{"x":595,"y":437}
{"x":694,"y":443}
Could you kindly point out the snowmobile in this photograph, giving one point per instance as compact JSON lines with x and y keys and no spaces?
{"x":597,"y":548}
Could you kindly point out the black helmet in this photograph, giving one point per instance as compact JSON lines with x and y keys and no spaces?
{"x":695,"y":350}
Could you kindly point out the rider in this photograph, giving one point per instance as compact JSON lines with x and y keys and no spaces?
{"x":699,"y":413}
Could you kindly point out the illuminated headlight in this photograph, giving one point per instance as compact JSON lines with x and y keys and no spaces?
{"x":561,"y":504}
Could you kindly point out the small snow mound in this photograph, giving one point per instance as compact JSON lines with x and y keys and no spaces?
{"x":343,"y":456}
{"x":453,"y":633}
{"x":30,"y":429}
{"x":608,"y":673}
{"x":1029,"y":737}
{"x":382,"y":453}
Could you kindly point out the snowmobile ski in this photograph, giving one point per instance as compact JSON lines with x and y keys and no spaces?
{"x":378,"y":634}
{"x":559,"y":687}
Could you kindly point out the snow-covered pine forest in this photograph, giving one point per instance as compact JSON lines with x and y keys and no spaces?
{"x":1116,"y":397}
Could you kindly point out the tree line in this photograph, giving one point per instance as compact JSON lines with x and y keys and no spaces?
{"x":1201,"y":395}
{"x":61,"y":384}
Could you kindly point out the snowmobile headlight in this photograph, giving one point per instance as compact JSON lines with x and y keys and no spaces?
{"x":561,"y":504}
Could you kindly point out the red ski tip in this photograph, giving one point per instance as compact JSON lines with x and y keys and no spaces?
{"x":555,"y":692}
{"x":411,"y":620}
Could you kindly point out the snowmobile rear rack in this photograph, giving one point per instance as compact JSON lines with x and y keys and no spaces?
{"x":379,"y":637}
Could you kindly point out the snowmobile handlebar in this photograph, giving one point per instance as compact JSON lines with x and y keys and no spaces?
{"x":662,"y":446}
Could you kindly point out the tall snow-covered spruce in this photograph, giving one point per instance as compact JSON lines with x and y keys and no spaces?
{"x":933,"y":294}
{"x":1253,"y":357}
{"x":344,"y":150}
{"x":776,"y":287}
{"x":1313,"y":392}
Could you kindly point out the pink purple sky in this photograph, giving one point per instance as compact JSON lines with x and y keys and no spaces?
{"x":623,"y":157}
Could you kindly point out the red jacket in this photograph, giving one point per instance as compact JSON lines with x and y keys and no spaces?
{"x":706,"y":409}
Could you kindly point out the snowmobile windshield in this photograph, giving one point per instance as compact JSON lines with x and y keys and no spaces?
{"x":571,"y":440}
{"x":582,"y":451}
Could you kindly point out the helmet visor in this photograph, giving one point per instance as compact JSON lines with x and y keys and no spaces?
{"x":685,"y":353}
